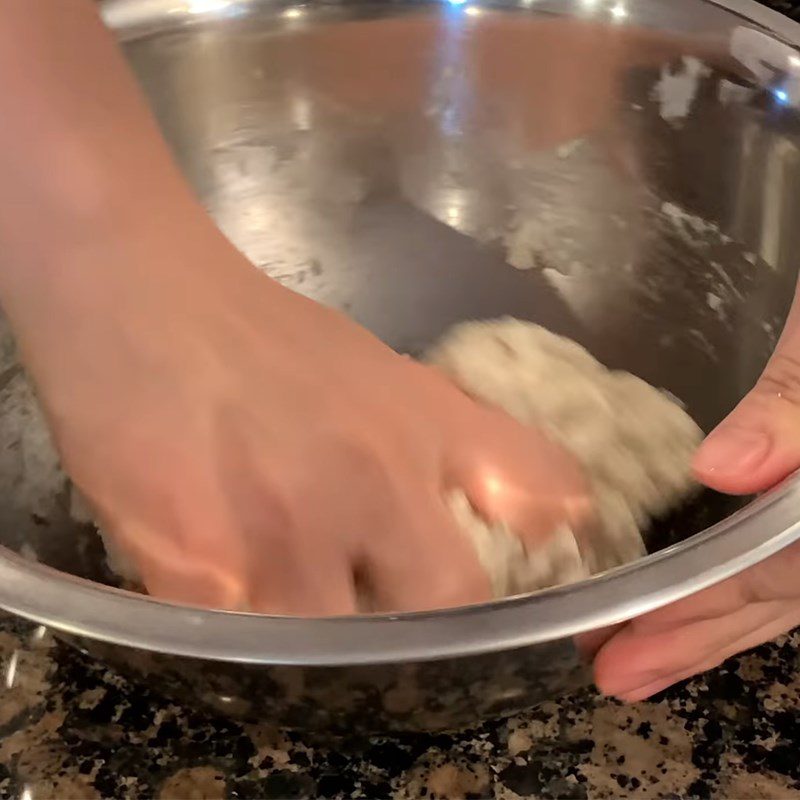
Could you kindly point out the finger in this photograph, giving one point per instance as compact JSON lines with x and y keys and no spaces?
{"x":775,"y":578}
{"x":653,"y":644}
{"x":747,"y":641}
{"x":759,"y":443}
{"x":170,"y":573}
{"x":425,"y":563}
{"x":588,"y":644}
{"x":633,"y":659}
{"x":519,"y":477}
{"x":649,"y":646}
{"x":193,"y":582}
{"x":274,"y":582}
{"x":666,"y":640}
{"x":299,"y":565}
{"x":181,"y":552}
{"x":304,"y":585}
{"x":296,"y":563}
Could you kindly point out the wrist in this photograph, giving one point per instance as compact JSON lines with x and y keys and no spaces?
{"x":88,"y":232}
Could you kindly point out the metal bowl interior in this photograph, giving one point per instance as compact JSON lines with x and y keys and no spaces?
{"x":626,"y":174}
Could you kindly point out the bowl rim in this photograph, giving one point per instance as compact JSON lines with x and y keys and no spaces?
{"x":83,"y":608}
{"x":89,"y":610}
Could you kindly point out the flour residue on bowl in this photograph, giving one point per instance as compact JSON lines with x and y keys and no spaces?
{"x":283,"y":199}
{"x":693,"y":228}
{"x":564,"y":203}
{"x":676,"y":89}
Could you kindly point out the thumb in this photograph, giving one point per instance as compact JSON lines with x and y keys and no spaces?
{"x":759,"y":443}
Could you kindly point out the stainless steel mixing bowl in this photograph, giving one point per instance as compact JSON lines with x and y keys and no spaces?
{"x":623,"y":171}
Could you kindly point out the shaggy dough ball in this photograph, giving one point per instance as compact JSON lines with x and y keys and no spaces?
{"x":634,"y":441}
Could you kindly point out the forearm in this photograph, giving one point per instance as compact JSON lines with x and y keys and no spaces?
{"x":82,"y":162}
{"x":100,"y":235}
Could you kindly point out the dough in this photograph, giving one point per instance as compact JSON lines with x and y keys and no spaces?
{"x":634,"y":441}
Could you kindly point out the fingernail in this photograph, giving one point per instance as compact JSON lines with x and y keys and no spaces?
{"x":731,"y":450}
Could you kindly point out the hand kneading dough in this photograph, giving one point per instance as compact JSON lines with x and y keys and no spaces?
{"x":634,"y":442}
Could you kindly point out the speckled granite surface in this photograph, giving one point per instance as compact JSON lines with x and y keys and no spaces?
{"x":70,"y":729}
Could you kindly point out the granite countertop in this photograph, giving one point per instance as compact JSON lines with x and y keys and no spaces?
{"x":70,"y":729}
